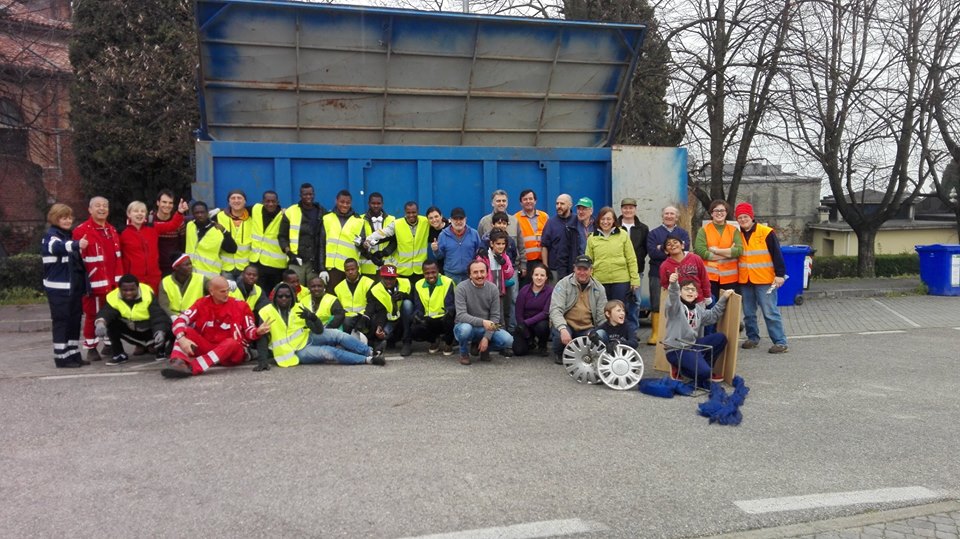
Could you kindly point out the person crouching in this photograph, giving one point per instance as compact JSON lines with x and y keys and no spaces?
{"x":132,"y":313}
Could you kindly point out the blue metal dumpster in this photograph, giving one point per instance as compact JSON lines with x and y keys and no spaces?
{"x":940,"y":269}
{"x":791,"y":291}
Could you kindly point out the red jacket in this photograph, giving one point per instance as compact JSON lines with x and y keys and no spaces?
{"x":101,"y":258}
{"x":691,"y":267}
{"x":140,"y":256}
{"x":216,"y":322}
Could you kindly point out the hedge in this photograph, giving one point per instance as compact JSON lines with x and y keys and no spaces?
{"x":22,"y":270}
{"x":832,"y":267}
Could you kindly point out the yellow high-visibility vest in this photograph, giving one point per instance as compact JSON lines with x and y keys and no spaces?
{"x":205,"y":253}
{"x":340,"y":244}
{"x":140,"y":311}
{"x":386,"y":300}
{"x":252,"y":299}
{"x":324,"y":309}
{"x":411,"y":250}
{"x":433,"y":301}
{"x":367,"y":267}
{"x":264,"y":245}
{"x":181,"y":302}
{"x":355,"y":303}
{"x":242,"y":235}
{"x":286,"y":338}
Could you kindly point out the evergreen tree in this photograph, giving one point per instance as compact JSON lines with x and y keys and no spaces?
{"x":134,"y":102}
{"x":644,"y":118}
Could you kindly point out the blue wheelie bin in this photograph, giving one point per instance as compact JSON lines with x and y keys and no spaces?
{"x":791,"y":291}
{"x":940,"y":268}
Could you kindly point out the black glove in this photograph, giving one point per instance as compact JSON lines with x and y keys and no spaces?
{"x":376,"y":258}
{"x":417,"y":317}
{"x":292,"y":259}
{"x":397,"y":296}
{"x":594,"y":337}
{"x":308,"y":315}
{"x":615,"y":341}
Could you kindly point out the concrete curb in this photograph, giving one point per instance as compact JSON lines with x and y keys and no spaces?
{"x":842,"y":523}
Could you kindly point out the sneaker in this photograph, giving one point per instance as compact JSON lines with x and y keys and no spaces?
{"x":475,"y":349}
{"x":434,"y":346}
{"x":118,"y":359}
{"x":93,"y":355}
{"x":749,"y":345}
{"x":485,"y":356}
{"x":447,"y":349}
{"x":464,"y":360}
{"x":778,"y":349}
{"x":716,"y":378}
{"x":379,"y":359}
{"x":507,"y":352}
{"x":405,"y":350}
{"x":177,"y":368}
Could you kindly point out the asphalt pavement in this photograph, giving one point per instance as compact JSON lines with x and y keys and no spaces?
{"x":850,"y":434}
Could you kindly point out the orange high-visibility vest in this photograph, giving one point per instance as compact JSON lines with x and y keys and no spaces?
{"x":721,"y":270}
{"x":756,"y":264}
{"x":531,"y":238}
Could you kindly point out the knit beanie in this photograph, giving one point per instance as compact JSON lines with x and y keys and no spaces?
{"x":743,"y":208}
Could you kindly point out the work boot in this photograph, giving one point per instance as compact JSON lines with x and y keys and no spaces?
{"x":177,"y":368}
{"x":749,"y":345}
{"x":654,"y":329}
{"x":464,"y":360}
{"x":405,"y":350}
{"x":778,"y":349}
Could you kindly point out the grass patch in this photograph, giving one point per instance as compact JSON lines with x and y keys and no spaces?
{"x":21,"y":295}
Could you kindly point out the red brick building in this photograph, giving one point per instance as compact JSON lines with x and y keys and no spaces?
{"x":37,"y":165}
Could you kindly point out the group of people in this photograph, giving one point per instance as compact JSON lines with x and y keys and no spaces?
{"x":306,"y":285}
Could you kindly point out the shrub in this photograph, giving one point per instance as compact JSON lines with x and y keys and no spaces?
{"x":24,"y":270}
{"x":21,"y":295}
{"x":833,"y":267}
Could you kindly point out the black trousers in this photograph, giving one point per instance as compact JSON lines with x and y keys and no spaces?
{"x":66,"y":312}
{"x":118,"y":330}
{"x":431,"y":328}
{"x":538,"y":336}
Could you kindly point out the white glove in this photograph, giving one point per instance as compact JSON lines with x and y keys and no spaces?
{"x":232,"y":285}
{"x":213,"y":213}
{"x":325,"y":276}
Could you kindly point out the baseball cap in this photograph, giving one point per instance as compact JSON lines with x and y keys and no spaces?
{"x":583,"y":261}
{"x":585,"y":202}
{"x":628,"y":202}
{"x":458,"y":213}
{"x":388,"y":270}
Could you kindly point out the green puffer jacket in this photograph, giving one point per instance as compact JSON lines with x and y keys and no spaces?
{"x":614,"y":260}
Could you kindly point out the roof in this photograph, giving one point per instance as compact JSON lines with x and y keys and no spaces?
{"x":892,"y":224}
{"x":280,"y":71}
{"x":31,"y":41}
{"x":864,"y":196}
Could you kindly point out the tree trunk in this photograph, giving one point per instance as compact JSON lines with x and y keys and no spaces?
{"x":866,"y":257}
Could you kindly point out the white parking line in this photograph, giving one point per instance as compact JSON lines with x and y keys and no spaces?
{"x":814,"y":336}
{"x":546,"y":528}
{"x":900,"y":316}
{"x":835,"y":499}
{"x":100,"y":375}
{"x":881,"y":332}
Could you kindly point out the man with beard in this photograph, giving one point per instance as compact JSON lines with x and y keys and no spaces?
{"x":558,"y":244}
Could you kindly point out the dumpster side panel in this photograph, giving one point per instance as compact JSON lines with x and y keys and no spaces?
{"x":441,"y":176}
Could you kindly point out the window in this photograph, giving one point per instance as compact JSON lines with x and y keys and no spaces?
{"x":13,"y":134}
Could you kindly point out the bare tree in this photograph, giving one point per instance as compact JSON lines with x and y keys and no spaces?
{"x":943,"y":160}
{"x":856,"y":85}
{"x":726,"y":55}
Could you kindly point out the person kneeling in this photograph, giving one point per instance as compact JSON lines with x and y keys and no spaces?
{"x":292,"y":345}
{"x":478,"y":317}
{"x":686,"y":319}
{"x":132,"y":313}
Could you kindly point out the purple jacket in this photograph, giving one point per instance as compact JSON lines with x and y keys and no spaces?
{"x":532,"y":308}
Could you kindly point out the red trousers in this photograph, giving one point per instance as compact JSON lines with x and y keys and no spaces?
{"x":91,"y":306}
{"x":227,"y":352}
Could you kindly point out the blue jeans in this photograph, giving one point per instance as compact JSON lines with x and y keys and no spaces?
{"x":633,"y":305}
{"x":755,"y":295}
{"x":694,"y":364}
{"x":455,"y":277}
{"x":467,"y":333}
{"x":334,"y":345}
{"x":617,"y":291}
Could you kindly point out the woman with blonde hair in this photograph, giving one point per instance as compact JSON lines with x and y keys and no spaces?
{"x":139,"y":247}
{"x":65,"y":283}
